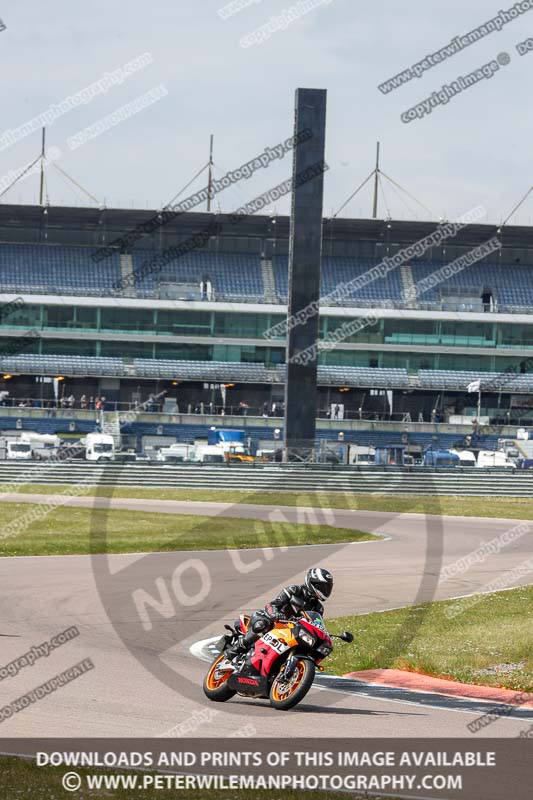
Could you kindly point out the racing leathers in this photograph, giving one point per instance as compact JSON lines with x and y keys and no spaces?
{"x":289,"y":603}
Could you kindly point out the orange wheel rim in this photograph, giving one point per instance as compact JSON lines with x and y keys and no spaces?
{"x":283,"y":690}
{"x":212,"y":682}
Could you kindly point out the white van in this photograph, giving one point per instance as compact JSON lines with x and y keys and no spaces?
{"x":466,"y":458}
{"x":494,"y":458}
{"x":99,"y":447}
{"x":18,"y":450}
{"x":209,"y":454}
{"x":176,"y":453}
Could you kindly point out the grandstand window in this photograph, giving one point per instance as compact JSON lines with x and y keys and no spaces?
{"x":251,"y":355}
{"x":25,"y":316}
{"x":124,"y":319}
{"x":515,"y":335}
{"x":249,"y":326}
{"x":465,"y":362}
{"x":181,"y":323}
{"x":74,"y":347}
{"x":368,"y":333}
{"x":127,"y":349}
{"x":346,"y":358}
{"x":186,"y":352}
{"x":69,"y":317}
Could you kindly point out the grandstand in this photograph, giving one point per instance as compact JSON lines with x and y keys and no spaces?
{"x":108,"y":326}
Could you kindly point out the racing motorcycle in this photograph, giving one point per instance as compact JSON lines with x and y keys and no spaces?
{"x":280,"y":666}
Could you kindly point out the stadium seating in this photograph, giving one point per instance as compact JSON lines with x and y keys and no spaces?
{"x":510,"y":284}
{"x":59,"y":365}
{"x":340,"y":271}
{"x":234,"y":276}
{"x":200,"y":370}
{"x":490,"y":381}
{"x":70,"y":270}
{"x":242,"y":372}
{"x":55,"y":269}
{"x":356,"y":376}
{"x":258,"y":373}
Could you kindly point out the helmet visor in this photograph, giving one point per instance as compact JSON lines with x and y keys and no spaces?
{"x":323,"y":589}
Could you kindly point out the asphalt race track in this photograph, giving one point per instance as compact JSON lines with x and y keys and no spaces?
{"x":123,"y":695}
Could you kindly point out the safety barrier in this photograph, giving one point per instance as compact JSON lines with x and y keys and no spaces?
{"x":268,"y":477}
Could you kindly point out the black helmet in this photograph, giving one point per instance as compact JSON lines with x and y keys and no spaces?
{"x":319,"y":582}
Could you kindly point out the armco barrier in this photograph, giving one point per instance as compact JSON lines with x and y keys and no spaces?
{"x":296,"y":478}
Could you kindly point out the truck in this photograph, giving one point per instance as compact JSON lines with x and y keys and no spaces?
{"x":357,"y":454}
{"x":19,"y":450}
{"x":209,"y":453}
{"x":177,"y":453}
{"x":494,"y":458}
{"x":30,"y":445}
{"x":466,"y":457}
{"x":390,"y":455}
{"x":441,"y":459}
{"x":508,"y":446}
{"x":99,"y":447}
{"x":231,"y":444}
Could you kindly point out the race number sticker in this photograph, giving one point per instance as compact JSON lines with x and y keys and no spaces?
{"x":275,"y":643}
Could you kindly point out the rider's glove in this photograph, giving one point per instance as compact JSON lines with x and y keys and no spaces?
{"x":272,"y":612}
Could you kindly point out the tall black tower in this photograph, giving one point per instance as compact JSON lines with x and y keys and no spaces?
{"x":305,"y":261}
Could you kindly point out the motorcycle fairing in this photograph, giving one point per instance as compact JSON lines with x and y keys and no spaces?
{"x":316,"y":631}
{"x":250,"y":682}
{"x":245,"y":622}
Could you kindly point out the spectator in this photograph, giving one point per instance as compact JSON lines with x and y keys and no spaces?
{"x":98,"y":404}
{"x":265,"y":409}
{"x":83,"y":401}
{"x":103,"y":401}
{"x":336,"y":411}
{"x":91,"y":403}
{"x":420,"y":417}
{"x":71,"y":401}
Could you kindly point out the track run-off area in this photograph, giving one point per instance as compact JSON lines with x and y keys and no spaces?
{"x":128,"y":692}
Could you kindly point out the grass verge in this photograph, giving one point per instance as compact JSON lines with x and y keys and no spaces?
{"x":484,"y":639}
{"x":24,"y":780}
{"x":503,"y":507}
{"x":68,"y":531}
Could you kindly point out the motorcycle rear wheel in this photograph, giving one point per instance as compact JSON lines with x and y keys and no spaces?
{"x":286,"y":694}
{"x":215,"y":688}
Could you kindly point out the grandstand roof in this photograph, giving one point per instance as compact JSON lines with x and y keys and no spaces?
{"x":98,"y":226}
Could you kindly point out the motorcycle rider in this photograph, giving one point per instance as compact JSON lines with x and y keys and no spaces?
{"x":308,"y":596}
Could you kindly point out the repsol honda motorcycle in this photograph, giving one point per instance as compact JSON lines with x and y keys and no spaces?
{"x":280,"y":666}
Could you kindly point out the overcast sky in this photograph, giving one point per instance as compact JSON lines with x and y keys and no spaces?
{"x":474,"y":150}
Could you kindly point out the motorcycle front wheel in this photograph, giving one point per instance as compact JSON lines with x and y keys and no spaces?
{"x":215,"y":687}
{"x":286,"y":694}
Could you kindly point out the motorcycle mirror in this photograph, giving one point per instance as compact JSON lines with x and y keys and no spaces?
{"x":347,"y":637}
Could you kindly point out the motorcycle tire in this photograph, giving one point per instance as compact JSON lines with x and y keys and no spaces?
{"x":214,"y":689}
{"x":285,"y":696}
